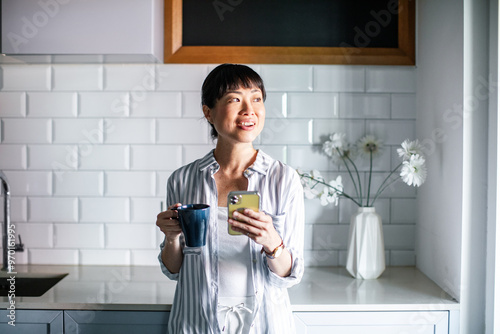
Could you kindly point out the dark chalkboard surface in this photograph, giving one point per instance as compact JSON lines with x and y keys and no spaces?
{"x":378,"y":32}
{"x":309,"y":23}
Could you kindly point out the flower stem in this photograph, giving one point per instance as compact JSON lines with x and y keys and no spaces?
{"x":359,"y":180}
{"x":369,"y":179}
{"x":358,"y":193}
{"x":382,"y":186}
{"x":341,"y":192}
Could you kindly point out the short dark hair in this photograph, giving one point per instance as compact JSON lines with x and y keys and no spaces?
{"x":228,"y":77}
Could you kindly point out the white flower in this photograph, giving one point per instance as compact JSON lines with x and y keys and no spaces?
{"x":414,"y":171}
{"x":336,"y":143}
{"x":369,"y":144}
{"x":409,"y":148}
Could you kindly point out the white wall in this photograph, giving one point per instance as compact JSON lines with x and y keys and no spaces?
{"x":439,"y":122}
{"x":453,"y":93}
{"x":87,"y":150}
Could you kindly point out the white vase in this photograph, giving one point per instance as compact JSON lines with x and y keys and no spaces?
{"x":365,"y":249}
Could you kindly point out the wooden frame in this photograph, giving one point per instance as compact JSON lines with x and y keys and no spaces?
{"x":175,"y":52}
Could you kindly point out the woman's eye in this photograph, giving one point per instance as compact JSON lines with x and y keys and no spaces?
{"x":257,"y":99}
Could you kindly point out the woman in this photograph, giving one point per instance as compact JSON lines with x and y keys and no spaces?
{"x":234,"y":284}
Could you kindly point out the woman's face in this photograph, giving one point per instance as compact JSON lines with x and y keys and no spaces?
{"x":238,"y":116}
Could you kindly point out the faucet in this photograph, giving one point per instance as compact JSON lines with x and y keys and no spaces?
{"x":6,"y":226}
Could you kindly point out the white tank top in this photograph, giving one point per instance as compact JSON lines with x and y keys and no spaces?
{"x":236,"y":297}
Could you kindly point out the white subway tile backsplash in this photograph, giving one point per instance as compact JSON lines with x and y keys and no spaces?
{"x":47,"y":157}
{"x":191,"y":104}
{"x":182,"y":131}
{"x":155,"y":157}
{"x":276,"y":105}
{"x":53,"y":209}
{"x":399,"y":237}
{"x":136,"y":78}
{"x":307,"y":157}
{"x":392,"y":132}
{"x":145,"y":210}
{"x":318,"y":214}
{"x":191,"y":153}
{"x":134,"y":184}
{"x":396,"y":79}
{"x":79,"y":183}
{"x":104,"y":104}
{"x":82,"y":236}
{"x":403,"y":106}
{"x":287,"y":131}
{"x":30,"y":183}
{"x":27,"y":131}
{"x":135,"y":236}
{"x":156,"y":104}
{"x":330,"y":236}
{"x":53,"y":104}
{"x":105,"y":257}
{"x":129,"y":131}
{"x":365,"y":105}
{"x":84,"y":77}
{"x":88,"y":161}
{"x":295,"y":78}
{"x":25,"y":77}
{"x":323,"y":128}
{"x":403,"y":210}
{"x":180,"y":77}
{"x":36,"y":235}
{"x":161,"y":184}
{"x":53,"y":256}
{"x":102,"y":157}
{"x":402,"y":258}
{"x":321,"y":258}
{"x":313,"y":105}
{"x":18,"y":208}
{"x":104,"y":210}
{"x":84,"y":131}
{"x":13,"y":157}
{"x":339,"y":79}
{"x":12,"y":104}
{"x":141,"y":257}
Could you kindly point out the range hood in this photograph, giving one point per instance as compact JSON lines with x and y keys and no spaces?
{"x":82,"y":31}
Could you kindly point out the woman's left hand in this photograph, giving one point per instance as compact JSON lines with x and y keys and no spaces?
{"x":257,"y":226}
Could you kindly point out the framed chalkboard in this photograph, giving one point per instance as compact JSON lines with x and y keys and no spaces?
{"x":370,"y":32}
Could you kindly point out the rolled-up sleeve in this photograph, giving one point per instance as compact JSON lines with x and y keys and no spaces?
{"x":293,"y":229}
{"x":169,"y":201}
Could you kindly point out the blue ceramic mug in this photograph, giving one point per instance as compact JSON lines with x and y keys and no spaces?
{"x":194,"y":219}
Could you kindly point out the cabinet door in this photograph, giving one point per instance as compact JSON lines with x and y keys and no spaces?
{"x":422,"y":322}
{"x":110,"y":322}
{"x":32,"y":322}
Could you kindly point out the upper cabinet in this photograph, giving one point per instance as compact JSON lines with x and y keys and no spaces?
{"x":82,"y":30}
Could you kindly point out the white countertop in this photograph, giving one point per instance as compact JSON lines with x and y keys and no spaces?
{"x":322,"y":289}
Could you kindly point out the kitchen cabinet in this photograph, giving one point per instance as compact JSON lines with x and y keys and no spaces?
{"x":110,"y":322}
{"x":409,"y":322}
{"x":32,"y":322}
{"x":152,"y":322}
{"x":82,"y":31}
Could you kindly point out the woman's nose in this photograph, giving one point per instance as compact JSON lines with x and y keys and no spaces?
{"x":247,"y":108}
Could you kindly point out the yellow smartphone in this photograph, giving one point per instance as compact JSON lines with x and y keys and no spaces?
{"x":240,"y":200}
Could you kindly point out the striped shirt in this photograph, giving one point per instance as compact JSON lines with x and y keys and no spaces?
{"x":194,"y":309}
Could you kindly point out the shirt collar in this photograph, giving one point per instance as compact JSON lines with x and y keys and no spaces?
{"x":261,"y":164}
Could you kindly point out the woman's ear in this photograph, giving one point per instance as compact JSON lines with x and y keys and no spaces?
{"x":206,"y":112}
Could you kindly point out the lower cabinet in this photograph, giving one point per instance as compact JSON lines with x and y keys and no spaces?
{"x":152,"y":322}
{"x":411,"y":322}
{"x":110,"y":322}
{"x":31,"y":322}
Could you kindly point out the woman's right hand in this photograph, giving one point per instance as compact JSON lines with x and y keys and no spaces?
{"x":168,"y":223}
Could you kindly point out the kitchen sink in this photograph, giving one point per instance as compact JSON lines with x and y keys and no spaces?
{"x":28,"y":284}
